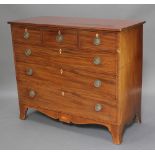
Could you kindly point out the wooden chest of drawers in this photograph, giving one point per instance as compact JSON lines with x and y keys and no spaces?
{"x":78,"y":70}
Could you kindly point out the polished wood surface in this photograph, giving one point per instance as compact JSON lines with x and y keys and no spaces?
{"x":130,"y":74}
{"x":80,"y":23}
{"x":108,"y":40}
{"x":71,"y":103}
{"x":69,"y":38}
{"x":76,"y":80}
{"x":70,"y":81}
{"x":18,"y":33}
{"x":69,"y":59}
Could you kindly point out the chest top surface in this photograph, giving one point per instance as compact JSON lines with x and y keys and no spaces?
{"x":76,"y":22}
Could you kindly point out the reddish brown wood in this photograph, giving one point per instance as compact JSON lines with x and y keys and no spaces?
{"x":18,"y":35}
{"x":49,"y":96}
{"x":69,"y":38}
{"x":23,"y":111}
{"x":68,"y":59}
{"x":69,"y":118}
{"x":108,"y":40}
{"x":64,"y":73}
{"x":80,"y":23}
{"x":71,"y":80}
{"x":116,"y":132}
{"x":130,"y":74}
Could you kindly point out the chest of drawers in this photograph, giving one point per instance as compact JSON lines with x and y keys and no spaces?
{"x":80,"y":70}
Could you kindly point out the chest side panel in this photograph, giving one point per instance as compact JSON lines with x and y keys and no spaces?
{"x":130,"y":73}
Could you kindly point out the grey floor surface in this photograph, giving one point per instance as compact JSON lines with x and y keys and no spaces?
{"x":42,"y":132}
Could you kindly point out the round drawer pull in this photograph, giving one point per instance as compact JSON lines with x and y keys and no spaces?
{"x":32,"y":93}
{"x":26,"y":34}
{"x":29,"y":71}
{"x":97,"y":83}
{"x":97,"y":40}
{"x":97,"y":60}
{"x":98,"y":107}
{"x":59,"y":37}
{"x":28,"y":52}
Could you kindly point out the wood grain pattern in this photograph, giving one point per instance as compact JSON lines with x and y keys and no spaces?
{"x":108,"y":40}
{"x":71,"y":82}
{"x":78,"y":23}
{"x":69,"y":38}
{"x":51,"y":98}
{"x":68,"y":118}
{"x":79,"y":59}
{"x":63,"y":82}
{"x":18,"y":35}
{"x":130,"y":74}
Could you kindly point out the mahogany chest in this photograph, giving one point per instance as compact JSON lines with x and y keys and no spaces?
{"x":80,"y":70}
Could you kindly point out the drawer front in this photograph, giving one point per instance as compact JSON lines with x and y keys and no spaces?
{"x":71,"y":80}
{"x":96,"y":62}
{"x":26,"y":35}
{"x":38,"y":93}
{"x":98,"y":40}
{"x":60,"y":38}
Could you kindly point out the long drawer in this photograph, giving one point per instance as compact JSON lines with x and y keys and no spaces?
{"x":98,"y":87}
{"x":101,"y":62}
{"x":48,"y":96}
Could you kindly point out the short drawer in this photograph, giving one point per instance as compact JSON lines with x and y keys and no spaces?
{"x":39,"y":94}
{"x":100,"y":40}
{"x":60,"y":38}
{"x":26,"y":35}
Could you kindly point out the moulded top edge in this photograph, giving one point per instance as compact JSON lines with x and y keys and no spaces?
{"x":76,"y":22}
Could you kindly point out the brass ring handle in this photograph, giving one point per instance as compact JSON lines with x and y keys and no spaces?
{"x":97,"y":40}
{"x":97,"y":60}
{"x":29,"y":71}
{"x":32,"y":93}
{"x":59,"y":37}
{"x":26,"y":34}
{"x":97,"y":83}
{"x":98,"y":107}
{"x":28,"y":52}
